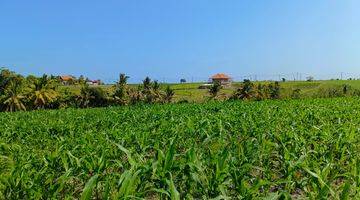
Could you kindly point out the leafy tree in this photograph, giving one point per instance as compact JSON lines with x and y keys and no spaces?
{"x":66,"y":99}
{"x":81,"y":80}
{"x":85,"y":96}
{"x":182,"y":80}
{"x":309,"y":78}
{"x":92,"y":97}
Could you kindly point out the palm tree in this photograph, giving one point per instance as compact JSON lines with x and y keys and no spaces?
{"x":260,"y":93}
{"x":123,"y":79}
{"x":146,"y":92}
{"x":13,"y":100}
{"x":121,"y":90}
{"x":43,"y":92}
{"x":156,"y":95}
{"x":147,"y":83}
{"x":245,"y":92}
{"x":274,"y":90}
{"x":169,"y":93}
{"x":5,"y":78}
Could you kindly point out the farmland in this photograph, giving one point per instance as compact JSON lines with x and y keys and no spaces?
{"x":191,"y":92}
{"x":236,"y":149}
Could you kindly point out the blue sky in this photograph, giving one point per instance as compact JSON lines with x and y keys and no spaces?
{"x":170,"y":39}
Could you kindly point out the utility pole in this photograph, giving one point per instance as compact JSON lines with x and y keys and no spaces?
{"x":341,"y":75}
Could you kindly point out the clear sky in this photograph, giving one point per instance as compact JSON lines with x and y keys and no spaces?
{"x":170,"y":39}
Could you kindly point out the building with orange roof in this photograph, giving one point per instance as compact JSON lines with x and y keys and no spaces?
{"x":67,"y":79}
{"x":221,"y":77}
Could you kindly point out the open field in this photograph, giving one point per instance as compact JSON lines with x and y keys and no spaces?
{"x":190,"y":91}
{"x":243,"y":150}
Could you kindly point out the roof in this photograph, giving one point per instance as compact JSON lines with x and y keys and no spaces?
{"x":93,"y":81}
{"x":66,"y":78}
{"x":220,"y":76}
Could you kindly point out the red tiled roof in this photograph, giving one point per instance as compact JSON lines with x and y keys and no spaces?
{"x":220,"y":76}
{"x":67,"y":78}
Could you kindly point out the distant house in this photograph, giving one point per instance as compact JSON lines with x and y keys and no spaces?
{"x":94,"y":82}
{"x":222,"y":78}
{"x":67,"y":79}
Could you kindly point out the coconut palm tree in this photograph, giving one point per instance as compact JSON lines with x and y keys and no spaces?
{"x":245,"y":92}
{"x":121,"y":90}
{"x":123,"y":79}
{"x":274,"y":90}
{"x":147,"y":91}
{"x":13,"y":99}
{"x":5,"y":77}
{"x":169,"y":93}
{"x":260,"y":93}
{"x":43,"y":92}
{"x":155,"y":93}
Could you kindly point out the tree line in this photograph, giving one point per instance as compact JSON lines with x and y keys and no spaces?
{"x":19,"y":93}
{"x":249,"y":91}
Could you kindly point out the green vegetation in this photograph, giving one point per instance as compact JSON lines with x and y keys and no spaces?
{"x":288,"y":89}
{"x":235,"y":149}
{"x":18,"y":93}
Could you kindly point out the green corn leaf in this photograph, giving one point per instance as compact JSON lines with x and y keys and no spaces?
{"x":89,"y":187}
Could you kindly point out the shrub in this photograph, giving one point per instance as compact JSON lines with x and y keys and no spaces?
{"x":245,"y":91}
{"x":214,"y":89}
{"x":274,"y":90}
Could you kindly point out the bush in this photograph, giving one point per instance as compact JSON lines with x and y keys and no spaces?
{"x":214,"y":89}
{"x":274,"y":90}
{"x":245,"y":91}
{"x":296,"y":94}
{"x":92,"y":97}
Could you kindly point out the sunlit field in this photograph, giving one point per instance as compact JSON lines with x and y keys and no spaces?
{"x":305,"y":148}
{"x":191,"y":92}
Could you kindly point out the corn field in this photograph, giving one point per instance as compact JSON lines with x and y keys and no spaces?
{"x":295,"y":149}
